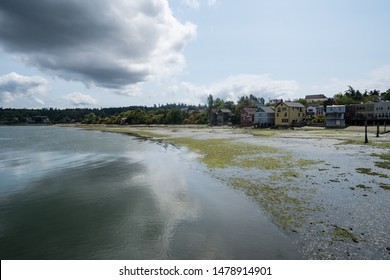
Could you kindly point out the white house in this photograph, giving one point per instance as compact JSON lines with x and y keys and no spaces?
{"x":335,"y":116}
{"x":382,"y":110}
{"x":315,"y":110}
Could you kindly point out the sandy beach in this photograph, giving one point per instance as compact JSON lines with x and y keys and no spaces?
{"x":326,"y":189}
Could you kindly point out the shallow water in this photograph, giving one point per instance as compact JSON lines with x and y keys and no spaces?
{"x":73,"y":194}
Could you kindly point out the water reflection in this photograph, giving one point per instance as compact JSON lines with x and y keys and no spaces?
{"x":87,"y":195}
{"x":168,"y":182}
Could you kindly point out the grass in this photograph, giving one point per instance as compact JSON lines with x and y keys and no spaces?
{"x":385,"y":187}
{"x":385,"y":164}
{"x":363,"y":187}
{"x":221,"y":153}
{"x":268,"y":133}
{"x":287,"y":210}
{"x":368,"y":171}
{"x":342,"y":234}
{"x":138,"y":133}
{"x":150,"y":134}
{"x":371,"y":142}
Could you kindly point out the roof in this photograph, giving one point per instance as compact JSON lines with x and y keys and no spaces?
{"x":249,"y":110}
{"x":292,"y":104}
{"x":217,"y":111}
{"x":316,"y":96}
{"x":315,"y":105}
{"x":225,"y":111}
{"x":336,"y":106}
{"x":266,"y":109}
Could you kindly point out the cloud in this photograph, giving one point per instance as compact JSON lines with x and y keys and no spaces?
{"x":194,"y":4}
{"x":110,"y":44}
{"x":378,"y":78}
{"x":233,"y":87}
{"x":213,"y":2}
{"x":13,"y":86}
{"x":77,"y":99}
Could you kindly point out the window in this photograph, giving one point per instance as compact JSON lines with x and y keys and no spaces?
{"x":285,"y":114}
{"x":284,"y":120}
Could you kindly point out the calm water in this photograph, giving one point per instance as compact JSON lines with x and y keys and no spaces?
{"x":73,"y":194}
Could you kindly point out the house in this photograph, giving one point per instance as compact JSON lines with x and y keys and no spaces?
{"x":315,"y":110}
{"x":290,"y":114}
{"x":358,"y":113}
{"x":315,"y":98}
{"x":247,"y":116}
{"x":382,"y":110}
{"x":220,"y":116}
{"x":264,"y":117}
{"x":275,"y":101}
{"x":335,"y":115}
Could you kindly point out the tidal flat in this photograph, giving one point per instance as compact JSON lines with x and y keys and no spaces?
{"x":308,"y":181}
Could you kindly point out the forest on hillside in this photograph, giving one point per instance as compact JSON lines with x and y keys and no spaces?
{"x":169,"y":113}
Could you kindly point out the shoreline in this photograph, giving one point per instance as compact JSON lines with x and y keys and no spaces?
{"x":323,"y":188}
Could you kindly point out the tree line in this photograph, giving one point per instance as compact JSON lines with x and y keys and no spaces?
{"x":169,"y":113}
{"x":353,"y":96}
{"x":162,"y":114}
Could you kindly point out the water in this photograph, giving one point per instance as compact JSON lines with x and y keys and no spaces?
{"x":67,"y":193}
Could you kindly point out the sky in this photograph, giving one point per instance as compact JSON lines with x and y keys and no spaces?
{"x":117,"y":53}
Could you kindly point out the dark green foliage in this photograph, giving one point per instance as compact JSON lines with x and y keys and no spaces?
{"x":164,"y":114}
{"x":352,"y":96}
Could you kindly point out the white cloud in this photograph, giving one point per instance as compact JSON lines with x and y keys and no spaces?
{"x":194,"y":4}
{"x":376,"y":79}
{"x":233,"y":87}
{"x":213,"y":2}
{"x":77,"y":99}
{"x":14,"y":86}
{"x":110,"y":44}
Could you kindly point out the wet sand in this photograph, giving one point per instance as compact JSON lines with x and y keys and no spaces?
{"x":326,"y":190}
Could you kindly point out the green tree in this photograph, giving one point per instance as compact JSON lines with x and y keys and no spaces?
{"x":210,"y":103}
{"x":90,"y":118}
{"x":386,"y":95}
{"x":173,"y":116}
{"x":303,"y":101}
{"x":219,"y":103}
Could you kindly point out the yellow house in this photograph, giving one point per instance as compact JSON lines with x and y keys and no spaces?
{"x":289,"y":114}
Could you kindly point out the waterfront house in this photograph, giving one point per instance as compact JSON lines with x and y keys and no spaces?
{"x":335,"y":116}
{"x":264,"y":117}
{"x":315,"y":98}
{"x":359,"y":113}
{"x":247,"y":116}
{"x":315,"y":110}
{"x":220,"y":116}
{"x":290,"y":114}
{"x":382,"y":110}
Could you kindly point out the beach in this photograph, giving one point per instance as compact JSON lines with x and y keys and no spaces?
{"x":326,"y":189}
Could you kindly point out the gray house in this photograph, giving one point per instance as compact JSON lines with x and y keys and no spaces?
{"x":315,"y":110}
{"x":382,"y":110}
{"x":335,"y":116}
{"x":220,"y":116}
{"x":264,"y":117}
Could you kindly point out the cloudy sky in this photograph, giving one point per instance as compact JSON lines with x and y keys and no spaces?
{"x":108,"y":53}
